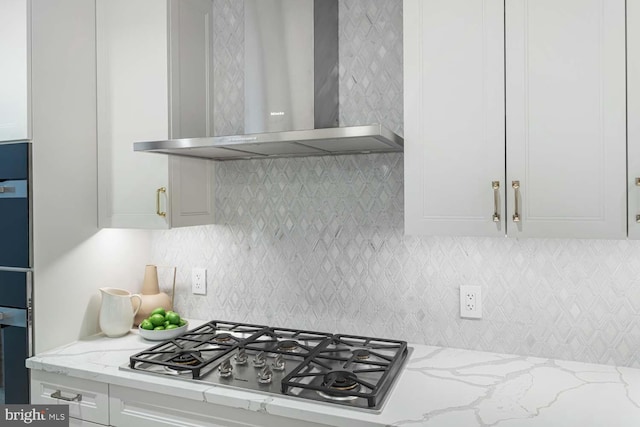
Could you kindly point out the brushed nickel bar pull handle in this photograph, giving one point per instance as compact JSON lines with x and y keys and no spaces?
{"x":496,"y":200}
{"x":58,"y":395}
{"x":638,"y":185}
{"x":158,"y":191}
{"x":516,"y":187}
{"x":7,"y":189}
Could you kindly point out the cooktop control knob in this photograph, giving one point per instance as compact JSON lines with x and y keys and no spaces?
{"x":278,"y":364}
{"x":265,"y":375}
{"x":241,"y":357}
{"x":259,"y":360}
{"x":225,"y":369}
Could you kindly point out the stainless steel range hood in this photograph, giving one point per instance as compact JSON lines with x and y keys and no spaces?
{"x":291,"y":91}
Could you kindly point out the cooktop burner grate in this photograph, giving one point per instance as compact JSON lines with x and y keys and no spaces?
{"x":348,"y":366}
{"x":204,"y":343}
{"x":291,"y":342}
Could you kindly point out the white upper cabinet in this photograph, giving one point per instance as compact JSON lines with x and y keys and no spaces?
{"x":454,"y":117}
{"x":556,"y":71}
{"x":15,"y":105}
{"x":566,"y":125}
{"x":191,"y":68}
{"x":633,"y":114}
{"x":154,"y":83}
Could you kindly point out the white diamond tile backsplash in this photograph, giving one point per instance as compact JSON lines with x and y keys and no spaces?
{"x":319,"y":243}
{"x":370,"y":60}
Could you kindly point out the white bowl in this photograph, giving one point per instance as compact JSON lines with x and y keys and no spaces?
{"x":163,"y":334}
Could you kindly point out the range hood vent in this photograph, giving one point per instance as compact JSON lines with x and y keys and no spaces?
{"x":291,"y":91}
{"x":317,"y":142}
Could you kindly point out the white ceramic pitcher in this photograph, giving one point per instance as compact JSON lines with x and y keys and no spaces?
{"x":117,"y":312}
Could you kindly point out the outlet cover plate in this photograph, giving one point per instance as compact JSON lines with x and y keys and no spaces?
{"x":199,"y":281}
{"x":470,"y":302}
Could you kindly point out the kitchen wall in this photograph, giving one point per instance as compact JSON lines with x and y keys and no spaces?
{"x":319,"y":243}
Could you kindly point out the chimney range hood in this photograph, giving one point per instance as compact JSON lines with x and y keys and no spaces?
{"x":291,"y":91}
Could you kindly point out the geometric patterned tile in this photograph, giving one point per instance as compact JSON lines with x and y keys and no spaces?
{"x":371,"y":63}
{"x":319,"y":243}
{"x":320,"y":258}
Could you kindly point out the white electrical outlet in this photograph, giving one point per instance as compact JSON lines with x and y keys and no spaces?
{"x":471,"y":302}
{"x":199,"y":281}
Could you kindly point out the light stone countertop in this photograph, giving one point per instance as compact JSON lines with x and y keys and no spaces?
{"x":440,"y":387}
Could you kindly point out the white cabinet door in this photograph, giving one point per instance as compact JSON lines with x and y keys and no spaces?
{"x":192,"y":191}
{"x":454,"y":117}
{"x":565,"y":104}
{"x":133,"y":106}
{"x":633,"y":115}
{"x":130,"y":407}
{"x":14,"y":70}
{"x":191,"y":109}
{"x":191,"y":68}
{"x":87,"y":400}
{"x":151,"y":90}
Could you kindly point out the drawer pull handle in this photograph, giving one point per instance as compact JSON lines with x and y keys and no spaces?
{"x":158,"y":191}
{"x":58,"y":395}
{"x":7,"y":189}
{"x":516,"y":187}
{"x":496,"y":200}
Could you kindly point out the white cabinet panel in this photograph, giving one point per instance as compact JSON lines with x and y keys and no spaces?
{"x":190,"y":99}
{"x":454,"y":117}
{"x":633,"y":114}
{"x":192,"y":191}
{"x":87,"y":400}
{"x":131,"y":407}
{"x":132,"y":106}
{"x":191,"y":68}
{"x":565,"y":99}
{"x":14,"y":70}
{"x":561,"y":88}
{"x":153,"y":84}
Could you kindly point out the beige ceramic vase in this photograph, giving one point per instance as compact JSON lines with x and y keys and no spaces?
{"x":151,"y":295}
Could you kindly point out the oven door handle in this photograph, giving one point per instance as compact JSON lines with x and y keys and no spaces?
{"x":13,"y":317}
{"x":14,"y":189}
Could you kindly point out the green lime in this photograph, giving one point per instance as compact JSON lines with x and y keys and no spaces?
{"x":158,"y":310}
{"x":146,"y":324}
{"x":171,"y":326}
{"x":157,"y":319}
{"x":173,"y":317}
{"x":182,"y":322}
{"x":166,"y":322}
{"x":159,"y":328}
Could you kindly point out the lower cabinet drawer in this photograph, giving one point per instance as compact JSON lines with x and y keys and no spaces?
{"x":87,"y":400}
{"x":139,"y":408}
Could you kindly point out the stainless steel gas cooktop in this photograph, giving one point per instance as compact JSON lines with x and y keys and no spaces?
{"x":340,"y":369}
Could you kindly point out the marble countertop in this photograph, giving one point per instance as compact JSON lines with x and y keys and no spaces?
{"x":439,"y":387}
